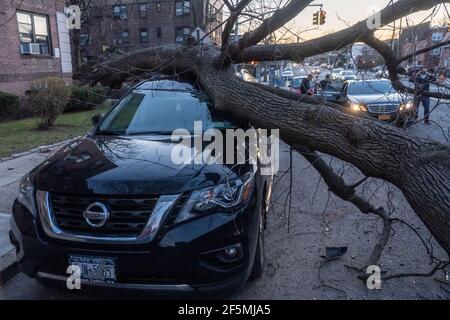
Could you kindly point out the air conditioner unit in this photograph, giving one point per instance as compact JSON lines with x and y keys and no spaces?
{"x":35,"y":48}
{"x":30,"y":48}
{"x":179,"y":39}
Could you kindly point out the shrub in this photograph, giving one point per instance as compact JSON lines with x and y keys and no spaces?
{"x":9,"y":105}
{"x":49,"y":96}
{"x":85,"y":98}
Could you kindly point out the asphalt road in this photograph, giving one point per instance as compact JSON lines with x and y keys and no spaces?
{"x":296,"y":240}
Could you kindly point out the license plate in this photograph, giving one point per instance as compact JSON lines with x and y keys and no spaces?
{"x":95,"y":269}
{"x":384,"y":117}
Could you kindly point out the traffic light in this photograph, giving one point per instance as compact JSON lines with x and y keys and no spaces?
{"x":448,"y":26}
{"x":316,"y":18}
{"x":322,"y":17}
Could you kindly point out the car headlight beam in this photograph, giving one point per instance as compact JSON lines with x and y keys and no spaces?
{"x":406,"y":106}
{"x":358,"y":107}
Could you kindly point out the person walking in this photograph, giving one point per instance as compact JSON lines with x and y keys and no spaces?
{"x":305,"y":86}
{"x":325,"y":82}
{"x":422,"y":84}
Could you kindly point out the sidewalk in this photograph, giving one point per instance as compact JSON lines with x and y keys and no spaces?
{"x":11,"y":171}
{"x":8,"y":265}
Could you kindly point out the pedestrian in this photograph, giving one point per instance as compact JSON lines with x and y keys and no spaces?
{"x":422,"y":84}
{"x":326,"y":82}
{"x":442,"y":78}
{"x":305,"y":86}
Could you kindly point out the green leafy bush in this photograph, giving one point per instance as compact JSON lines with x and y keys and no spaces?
{"x":9,"y":105}
{"x":49,"y":97}
{"x":85,"y":98}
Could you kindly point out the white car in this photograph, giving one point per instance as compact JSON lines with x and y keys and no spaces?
{"x":336,"y":74}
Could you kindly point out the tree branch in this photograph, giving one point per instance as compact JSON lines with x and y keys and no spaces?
{"x":234,"y":15}
{"x":334,"y":41}
{"x":268,"y":26}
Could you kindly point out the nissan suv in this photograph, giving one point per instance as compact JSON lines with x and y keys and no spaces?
{"x":116,"y":208}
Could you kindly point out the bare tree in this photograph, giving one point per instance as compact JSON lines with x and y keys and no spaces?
{"x":377,"y":149}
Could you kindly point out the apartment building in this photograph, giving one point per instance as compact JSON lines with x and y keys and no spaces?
{"x":34,"y":43}
{"x":129,"y":25}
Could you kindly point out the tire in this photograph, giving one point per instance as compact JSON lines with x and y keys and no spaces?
{"x":260,"y":257}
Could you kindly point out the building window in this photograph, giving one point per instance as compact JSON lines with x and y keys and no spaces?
{"x":143,"y":35}
{"x":181,"y":34}
{"x":436,"y":52}
{"x":142,"y":10}
{"x":158,"y":7}
{"x":437,"y":36}
{"x":158,"y":32}
{"x":125,"y":36}
{"x":33,"y":29}
{"x":120,"y":11}
{"x":85,"y":40}
{"x":182,"y":8}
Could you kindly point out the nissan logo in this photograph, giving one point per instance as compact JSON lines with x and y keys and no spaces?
{"x":96,"y":215}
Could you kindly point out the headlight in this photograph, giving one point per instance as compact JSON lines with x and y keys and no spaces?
{"x":226,"y":197}
{"x":25,"y":185}
{"x":26,"y":192}
{"x":357,"y":107}
{"x":406,"y":106}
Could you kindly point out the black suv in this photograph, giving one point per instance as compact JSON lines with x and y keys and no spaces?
{"x":113,"y":203}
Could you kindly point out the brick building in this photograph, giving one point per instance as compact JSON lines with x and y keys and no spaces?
{"x":34,"y":43}
{"x":422,"y":36}
{"x":134,"y":24}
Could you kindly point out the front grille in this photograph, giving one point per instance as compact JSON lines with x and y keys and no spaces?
{"x":128,"y":216}
{"x":383,"y":108}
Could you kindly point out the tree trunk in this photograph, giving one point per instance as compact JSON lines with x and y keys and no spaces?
{"x":419,"y":168}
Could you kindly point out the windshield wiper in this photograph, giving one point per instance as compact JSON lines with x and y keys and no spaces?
{"x":150,"y":133}
{"x":110,"y":133}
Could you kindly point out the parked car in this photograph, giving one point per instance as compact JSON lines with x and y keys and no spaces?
{"x":377,"y":98}
{"x":316,"y":70}
{"x":336,"y":74}
{"x":331,"y":92}
{"x":114,"y":204}
{"x":296,"y":83}
{"x":347,"y":75}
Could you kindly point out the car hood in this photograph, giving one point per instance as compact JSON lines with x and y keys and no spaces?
{"x":116,"y":165}
{"x":394,"y":98}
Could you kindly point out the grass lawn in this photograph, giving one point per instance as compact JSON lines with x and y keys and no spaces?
{"x":22,"y":135}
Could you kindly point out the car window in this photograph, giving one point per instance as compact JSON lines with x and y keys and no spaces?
{"x":161,"y":112}
{"x":372,"y":87}
{"x":296,"y":83}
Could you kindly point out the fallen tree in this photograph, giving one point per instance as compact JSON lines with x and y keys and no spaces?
{"x":420,"y":168}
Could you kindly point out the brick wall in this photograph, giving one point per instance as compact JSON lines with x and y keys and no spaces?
{"x":17,"y":71}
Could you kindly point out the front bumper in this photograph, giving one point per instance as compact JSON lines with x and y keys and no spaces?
{"x":178,"y":262}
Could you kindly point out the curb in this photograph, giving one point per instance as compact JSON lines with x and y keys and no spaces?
{"x":41,"y":149}
{"x":9,"y":266}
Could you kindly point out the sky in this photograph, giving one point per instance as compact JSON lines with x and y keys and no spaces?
{"x":351,"y":11}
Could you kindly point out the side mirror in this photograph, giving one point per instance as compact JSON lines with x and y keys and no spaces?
{"x":97,"y":118}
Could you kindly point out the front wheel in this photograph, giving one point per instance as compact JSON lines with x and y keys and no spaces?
{"x":260,"y":257}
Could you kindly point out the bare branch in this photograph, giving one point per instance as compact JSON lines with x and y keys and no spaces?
{"x":270,"y":25}
{"x":334,"y":41}
{"x":234,"y":15}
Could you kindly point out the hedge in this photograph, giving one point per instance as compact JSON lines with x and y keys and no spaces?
{"x":85,"y":98}
{"x":9,"y":105}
